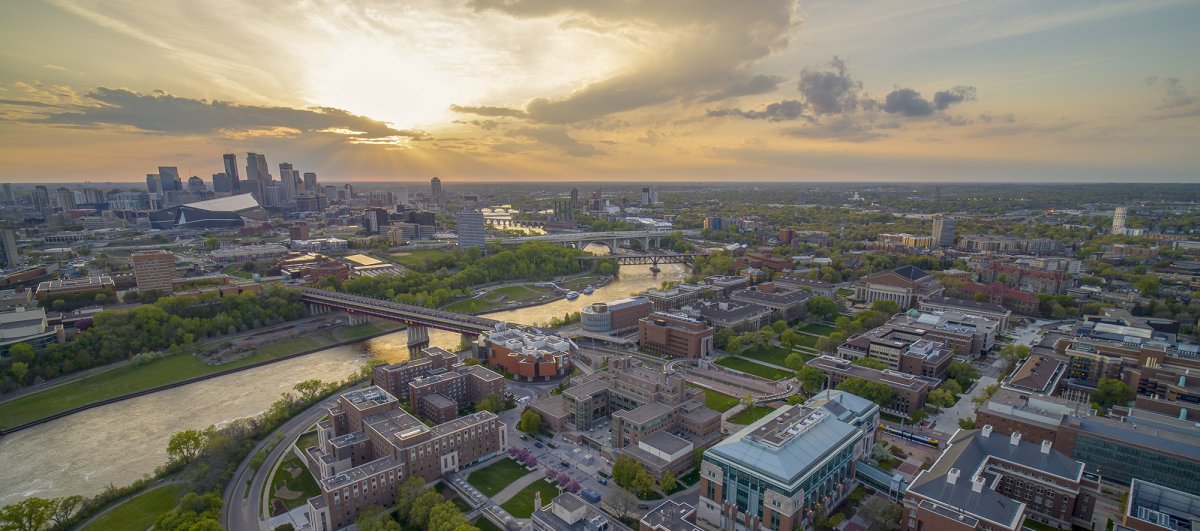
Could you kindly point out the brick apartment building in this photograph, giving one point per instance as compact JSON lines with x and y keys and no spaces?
{"x":369,"y":446}
{"x":154,"y":270}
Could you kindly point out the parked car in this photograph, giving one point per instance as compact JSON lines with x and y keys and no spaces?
{"x":539,"y":445}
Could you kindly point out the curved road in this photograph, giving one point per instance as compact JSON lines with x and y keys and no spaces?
{"x":241,"y":511}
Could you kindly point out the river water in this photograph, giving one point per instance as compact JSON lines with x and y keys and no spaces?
{"x":119,"y":443}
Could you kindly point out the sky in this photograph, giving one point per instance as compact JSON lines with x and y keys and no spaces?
{"x":594,"y":90}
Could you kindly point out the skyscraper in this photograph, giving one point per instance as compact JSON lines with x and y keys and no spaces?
{"x":41,"y":199}
{"x":152,"y":183}
{"x":221,"y":184}
{"x":310,"y":183}
{"x":65,"y":198}
{"x":574,"y":199}
{"x":649,"y":195}
{"x":168,"y":179}
{"x":8,"y":195}
{"x":154,"y":270}
{"x":287,"y":182}
{"x":8,"y":248}
{"x":943,"y":231}
{"x":231,"y":171}
{"x":258,"y":177}
{"x":471,"y":229}
{"x":1118,"y":226}
{"x":196,"y":185}
{"x":435,"y":187}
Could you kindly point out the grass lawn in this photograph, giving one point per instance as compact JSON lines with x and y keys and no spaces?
{"x":141,"y":511}
{"x":495,"y":477}
{"x":715,"y":401}
{"x":521,"y":505}
{"x":749,"y":367}
{"x":306,"y":440}
{"x":808,"y":341}
{"x":843,"y":292}
{"x":416,"y":259}
{"x":1038,"y":526}
{"x":302,"y":485}
{"x":499,"y":298}
{"x":128,"y":379}
{"x":691,"y":478}
{"x":818,"y":329}
{"x":771,"y":354}
{"x":485,"y":525}
{"x":748,"y":416}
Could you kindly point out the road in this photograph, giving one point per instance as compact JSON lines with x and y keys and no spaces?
{"x":241,"y":511}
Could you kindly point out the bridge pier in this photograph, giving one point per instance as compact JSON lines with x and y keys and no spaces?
{"x":418,"y":336}
{"x":317,"y":309}
{"x":358,"y":318}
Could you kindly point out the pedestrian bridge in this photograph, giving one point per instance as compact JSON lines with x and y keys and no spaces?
{"x":648,"y":239}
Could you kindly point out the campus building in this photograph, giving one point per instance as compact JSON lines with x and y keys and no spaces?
{"x":988,"y":310}
{"x":906,"y":286}
{"x":369,"y":445}
{"x":675,"y":335}
{"x":1151,"y":507}
{"x":910,"y":391}
{"x":785,"y":304}
{"x":154,"y":270}
{"x":1137,"y":443}
{"x":986,"y":480}
{"x":528,"y":355}
{"x":783,"y":470}
{"x":570,"y":512}
{"x":614,"y":317}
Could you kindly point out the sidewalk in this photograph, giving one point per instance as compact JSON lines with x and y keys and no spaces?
{"x":513,"y":488}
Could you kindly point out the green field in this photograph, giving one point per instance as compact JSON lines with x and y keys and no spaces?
{"x":129,"y":379}
{"x":496,"y":476}
{"x":306,"y":440}
{"x":749,"y":367}
{"x":485,"y":525}
{"x":717,"y":401}
{"x":748,"y":416}
{"x":500,"y":298}
{"x":772,"y":354}
{"x":521,"y":505}
{"x":843,"y":292}
{"x":818,"y":329}
{"x":578,"y":283}
{"x":139,"y":512}
{"x":416,"y":259}
{"x":301,"y":485}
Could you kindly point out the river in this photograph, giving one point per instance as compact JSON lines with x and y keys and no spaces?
{"x":119,"y":443}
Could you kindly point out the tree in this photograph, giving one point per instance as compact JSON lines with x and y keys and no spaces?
{"x":870,"y":363}
{"x":406,"y":494}
{"x":643,"y":482}
{"x":722,"y":336}
{"x":791,"y":338}
{"x":964,"y":373}
{"x":64,"y":508}
{"x":668,"y":481}
{"x":196,"y":512}
{"x":624,"y":469}
{"x":19,"y":370}
{"x":1110,"y":392}
{"x":811,"y":378}
{"x":187,"y":444}
{"x":886,"y":307}
{"x":734,"y":346}
{"x":779,"y":326}
{"x":419,"y":515}
{"x":309,"y":390}
{"x":918,"y":415}
{"x":823,"y":308}
{"x":1148,"y":286}
{"x":30,"y":514}
{"x":881,"y":513}
{"x":748,"y":401}
{"x":375,"y":518}
{"x":492,"y":402}
{"x":966,"y":424}
{"x":621,"y":501}
{"x":22,"y":352}
{"x":941,"y":398}
{"x":952,"y":386}
{"x":829,"y":344}
{"x":445,"y":516}
{"x":794,"y":361}
{"x":530,"y":422}
{"x":874,"y":391}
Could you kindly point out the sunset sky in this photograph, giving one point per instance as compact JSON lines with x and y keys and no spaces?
{"x":623,"y":90}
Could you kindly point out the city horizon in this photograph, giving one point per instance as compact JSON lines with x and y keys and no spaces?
{"x":532,"y":91}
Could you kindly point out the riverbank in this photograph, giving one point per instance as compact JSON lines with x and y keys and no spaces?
{"x":516,"y":296}
{"x":165,"y":373}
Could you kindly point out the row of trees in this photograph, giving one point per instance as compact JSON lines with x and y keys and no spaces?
{"x":530,"y":261}
{"x":416,"y":507}
{"x":168,"y":323}
{"x":632,"y":476}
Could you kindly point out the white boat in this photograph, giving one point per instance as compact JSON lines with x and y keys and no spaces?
{"x":589,"y":290}
{"x":572,"y":295}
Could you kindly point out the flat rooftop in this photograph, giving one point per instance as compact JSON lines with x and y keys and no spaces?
{"x":646,"y":413}
{"x":369,"y":397}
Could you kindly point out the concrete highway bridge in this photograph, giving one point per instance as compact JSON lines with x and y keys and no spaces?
{"x":418,"y":318}
{"x":643,"y":259}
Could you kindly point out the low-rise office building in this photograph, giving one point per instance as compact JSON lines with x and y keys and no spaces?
{"x":784,"y":469}
{"x":785,"y":304}
{"x":1151,"y":507}
{"x":731,"y":315}
{"x":989,"y":310}
{"x":528,"y":355}
{"x":28,"y":326}
{"x":616,"y":316}
{"x":676,"y":297}
{"x":901,"y":349}
{"x":570,"y":512}
{"x":74,"y":286}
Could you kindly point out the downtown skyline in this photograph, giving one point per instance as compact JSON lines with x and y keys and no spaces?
{"x":532,"y":90}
